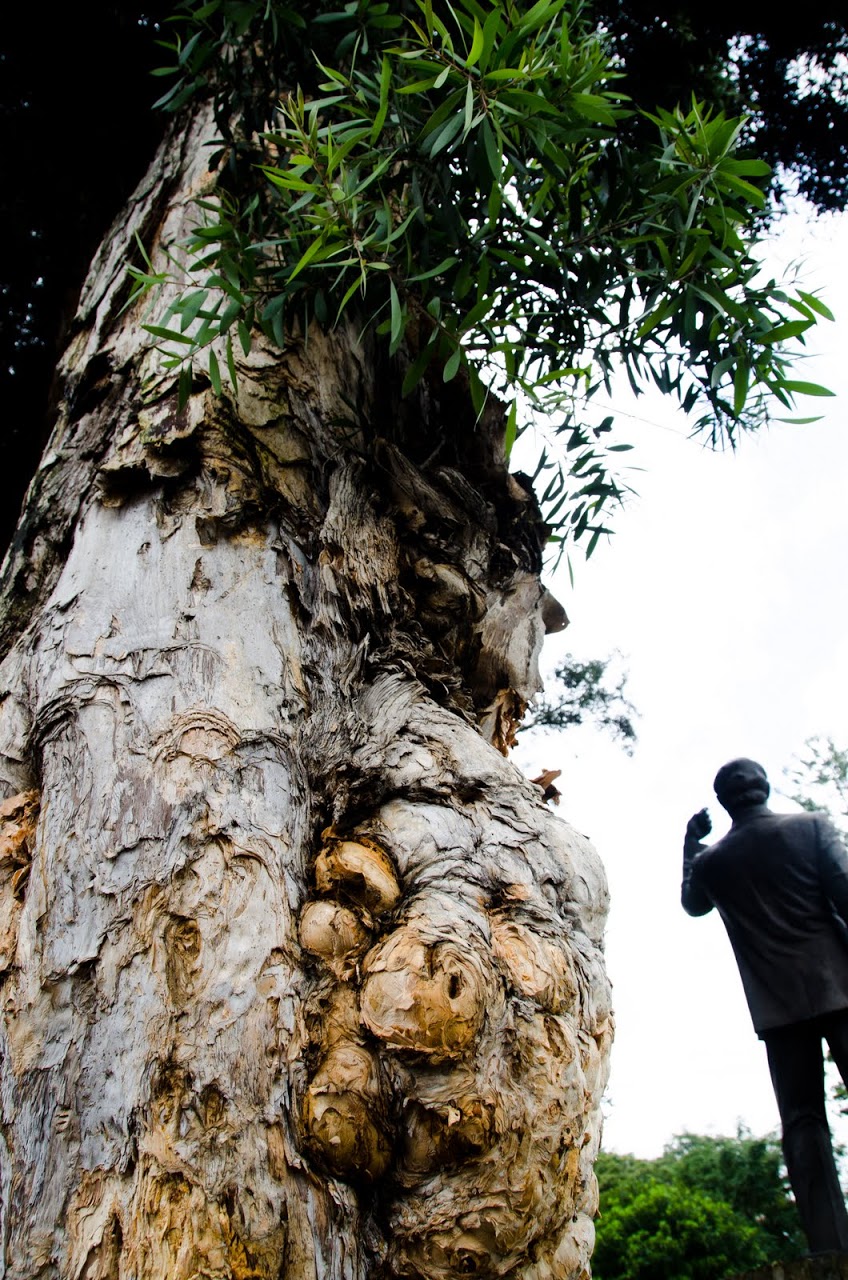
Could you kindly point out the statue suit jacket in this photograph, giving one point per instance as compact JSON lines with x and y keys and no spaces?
{"x":780,"y":884}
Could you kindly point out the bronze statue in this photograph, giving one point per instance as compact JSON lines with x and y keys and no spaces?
{"x":780,"y":884}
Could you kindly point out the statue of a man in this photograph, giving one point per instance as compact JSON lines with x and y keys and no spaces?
{"x":780,"y":884}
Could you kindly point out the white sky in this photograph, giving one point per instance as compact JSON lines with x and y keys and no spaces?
{"x":725,"y":589}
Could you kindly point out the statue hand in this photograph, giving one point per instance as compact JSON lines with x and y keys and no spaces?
{"x":699,"y":825}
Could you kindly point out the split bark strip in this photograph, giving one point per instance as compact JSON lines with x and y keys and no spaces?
{"x":300,"y":977}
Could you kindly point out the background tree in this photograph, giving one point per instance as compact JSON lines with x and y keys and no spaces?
{"x":708,"y":1207}
{"x":819,"y":780}
{"x":789,"y":71}
{"x":671,"y":1230}
{"x":581,"y":693}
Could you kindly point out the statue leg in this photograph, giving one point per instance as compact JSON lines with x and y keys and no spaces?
{"x":796,"y":1064}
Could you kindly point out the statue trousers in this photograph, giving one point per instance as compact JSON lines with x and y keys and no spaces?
{"x":796,"y":1063}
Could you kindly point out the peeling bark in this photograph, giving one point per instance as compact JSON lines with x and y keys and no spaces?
{"x":300,"y":977}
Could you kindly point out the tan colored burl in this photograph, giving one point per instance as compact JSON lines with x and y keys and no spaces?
{"x":18,"y":822}
{"x":424,"y":994}
{"x":360,"y":870}
{"x":463,"y":1063}
{"x":335,"y":933}
{"x":344,"y":1114}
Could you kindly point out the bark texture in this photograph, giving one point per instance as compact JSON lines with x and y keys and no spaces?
{"x":301,"y":980}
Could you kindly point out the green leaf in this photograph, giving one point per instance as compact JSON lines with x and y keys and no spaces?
{"x":397,"y":315}
{"x":750,"y":168}
{"x":541,"y":12}
{"x":806,"y":389}
{"x":493,"y":26}
{"x":206,"y":10}
{"x":492,"y":149}
{"x":189,"y":308}
{"x":214,"y":372}
{"x":143,"y":251}
{"x":385,"y":81}
{"x":593,"y":107}
{"x":418,"y":368}
{"x":168,"y":335}
{"x":440,"y":269}
{"x":446,"y":134}
{"x":189,"y":48}
{"x":311,"y":252}
{"x":231,"y":364}
{"x":740,"y":387}
{"x":350,"y":291}
{"x":184,"y":387}
{"x":742,"y":188}
{"x":479,"y":392}
{"x":782,"y":332}
{"x":477,"y":44}
{"x":816,"y":304}
{"x":228,"y":315}
{"x":452,"y":364}
{"x":511,"y":429}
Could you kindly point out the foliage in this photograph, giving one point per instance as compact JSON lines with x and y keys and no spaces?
{"x":668,"y":1230}
{"x":787,"y":69}
{"x":669,"y":51}
{"x":463,"y":177}
{"x":820,"y":780}
{"x":579,"y":694}
{"x":748,"y":1173}
{"x":706,"y":1208}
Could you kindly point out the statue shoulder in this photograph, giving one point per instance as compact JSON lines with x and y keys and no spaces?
{"x":815,"y":829}
{"x":826,"y":827}
{"x":811,"y":820}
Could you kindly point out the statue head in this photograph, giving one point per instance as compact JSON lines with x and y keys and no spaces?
{"x":741,"y":784}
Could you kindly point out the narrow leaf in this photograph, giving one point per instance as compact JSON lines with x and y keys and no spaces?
{"x":184,"y":386}
{"x":397,"y":314}
{"x":816,"y":304}
{"x":806,"y":389}
{"x":214,"y":372}
{"x":476,"y":44}
{"x":511,"y":429}
{"x":231,"y":364}
{"x":452,"y":364}
{"x":168,"y":335}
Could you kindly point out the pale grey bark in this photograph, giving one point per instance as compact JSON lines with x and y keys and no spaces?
{"x":300,"y":977}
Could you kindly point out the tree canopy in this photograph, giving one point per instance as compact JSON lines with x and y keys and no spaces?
{"x":786,"y":69}
{"x":819,"y":779}
{"x":583,"y":692}
{"x":706,"y":1208}
{"x":551,"y":172}
{"x":465,"y":176}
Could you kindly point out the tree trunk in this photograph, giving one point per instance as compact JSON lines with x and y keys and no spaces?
{"x":300,"y":977}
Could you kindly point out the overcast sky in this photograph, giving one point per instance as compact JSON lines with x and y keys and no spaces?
{"x":726,"y":590}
